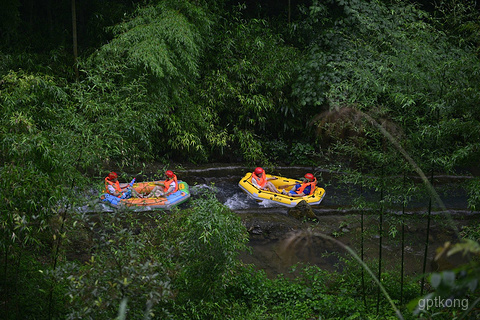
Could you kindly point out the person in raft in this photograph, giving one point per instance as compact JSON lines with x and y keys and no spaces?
{"x":303,"y":189}
{"x":260,"y":180}
{"x":166,"y":187}
{"x":121,"y":190}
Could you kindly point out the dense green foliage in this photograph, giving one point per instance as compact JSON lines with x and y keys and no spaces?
{"x":203,"y":82}
{"x":184,"y":265}
{"x":152,"y":262}
{"x":349,"y":83}
{"x":402,"y":72}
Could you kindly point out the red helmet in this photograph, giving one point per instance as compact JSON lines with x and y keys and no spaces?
{"x":309,"y":176}
{"x":112,"y":175}
{"x":169,"y":173}
{"x":258,"y":170}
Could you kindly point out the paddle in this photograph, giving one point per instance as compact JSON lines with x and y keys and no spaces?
{"x":289,"y":185}
{"x":286,"y":186}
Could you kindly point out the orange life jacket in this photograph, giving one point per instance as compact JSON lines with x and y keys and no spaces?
{"x":261,"y":181}
{"x":167,"y":184}
{"x":304,"y":185}
{"x":116,"y":186}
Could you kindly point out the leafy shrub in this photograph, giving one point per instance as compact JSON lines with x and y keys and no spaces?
{"x":209,"y":237}
{"x":473,"y":189}
{"x":122,"y":267}
{"x":28,"y":291}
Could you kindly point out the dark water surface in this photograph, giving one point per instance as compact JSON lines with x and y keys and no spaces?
{"x":224,"y":179}
{"x":276,"y":240}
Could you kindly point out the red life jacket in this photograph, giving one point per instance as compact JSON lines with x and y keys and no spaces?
{"x":167,"y":184}
{"x":261,"y":181}
{"x":116,"y":186}
{"x":304,"y":185}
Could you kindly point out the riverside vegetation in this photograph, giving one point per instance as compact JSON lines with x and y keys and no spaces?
{"x":384,"y":91}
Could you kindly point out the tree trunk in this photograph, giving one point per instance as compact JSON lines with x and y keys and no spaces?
{"x":74,"y":33}
{"x":289,"y":11}
{"x":403,"y":239}
{"x":425,"y":255}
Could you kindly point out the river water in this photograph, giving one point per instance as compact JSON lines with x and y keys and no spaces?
{"x":278,"y":241}
{"x":224,"y":180}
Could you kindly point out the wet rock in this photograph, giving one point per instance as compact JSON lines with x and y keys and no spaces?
{"x":301,"y":210}
{"x":255,"y":229}
{"x":269,"y":226}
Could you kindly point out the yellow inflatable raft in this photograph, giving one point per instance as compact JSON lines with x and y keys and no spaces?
{"x":285,"y":200}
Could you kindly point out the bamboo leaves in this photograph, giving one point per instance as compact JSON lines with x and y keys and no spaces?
{"x":157,"y":40}
{"x":473,"y":189}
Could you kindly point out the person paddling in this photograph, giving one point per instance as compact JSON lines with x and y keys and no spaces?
{"x":120,"y":190}
{"x":305,"y":188}
{"x":260,"y":180}
{"x":166,"y":187}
